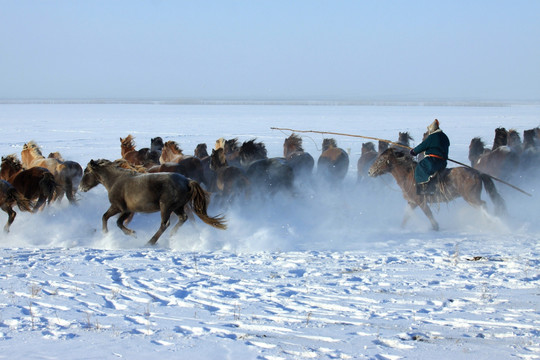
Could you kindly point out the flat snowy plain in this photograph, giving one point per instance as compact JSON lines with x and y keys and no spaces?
{"x":329,"y":274}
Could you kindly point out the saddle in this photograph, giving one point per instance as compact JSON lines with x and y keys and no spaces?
{"x":429,"y":187}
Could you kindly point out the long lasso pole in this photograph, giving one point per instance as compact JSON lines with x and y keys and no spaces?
{"x":403,"y":146}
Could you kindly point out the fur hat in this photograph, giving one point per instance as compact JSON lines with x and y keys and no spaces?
{"x":434,"y":126}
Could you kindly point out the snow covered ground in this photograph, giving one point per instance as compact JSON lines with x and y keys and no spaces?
{"x":329,"y":274}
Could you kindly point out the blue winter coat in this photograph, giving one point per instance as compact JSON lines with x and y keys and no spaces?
{"x":436,"y":144}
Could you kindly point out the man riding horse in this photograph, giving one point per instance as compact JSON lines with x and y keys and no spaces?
{"x":435,"y":147}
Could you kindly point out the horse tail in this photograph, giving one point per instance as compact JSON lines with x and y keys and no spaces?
{"x":199,"y":203}
{"x":48,"y":186}
{"x":498,"y":201}
{"x":22,"y":202}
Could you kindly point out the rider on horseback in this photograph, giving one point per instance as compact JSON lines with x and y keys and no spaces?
{"x":436,"y":153}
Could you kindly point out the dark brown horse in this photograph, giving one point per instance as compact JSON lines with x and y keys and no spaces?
{"x":144,"y":156}
{"x":231,"y":181}
{"x":131,"y":192}
{"x":333,"y":164}
{"x":9,"y":197}
{"x":201,"y":153}
{"x":450,"y":184}
{"x":231,"y":148}
{"x":172,"y":159}
{"x":36,"y":183}
{"x":64,"y":175}
{"x":300,"y":161}
{"x":367,"y":157}
{"x":501,"y":161}
{"x":269,"y":175}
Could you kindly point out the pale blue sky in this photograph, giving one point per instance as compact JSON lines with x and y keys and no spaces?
{"x":353,"y":50}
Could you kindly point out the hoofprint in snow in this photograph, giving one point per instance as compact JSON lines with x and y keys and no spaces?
{"x":328,"y":275}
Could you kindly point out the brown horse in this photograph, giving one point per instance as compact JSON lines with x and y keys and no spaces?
{"x":268,"y":175}
{"x":34,"y":183}
{"x":231,"y":181}
{"x":450,"y":184}
{"x":333,"y":164}
{"x":173,"y":160}
{"x":9,"y":197}
{"x":144,"y":156}
{"x":131,"y":192}
{"x":201,"y":153}
{"x":231,"y":148}
{"x":64,"y":176}
{"x":501,"y":161}
{"x":74,"y":168}
{"x":300,"y":161}
{"x":367,"y":157}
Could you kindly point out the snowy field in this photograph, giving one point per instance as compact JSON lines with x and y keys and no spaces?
{"x":329,"y":274}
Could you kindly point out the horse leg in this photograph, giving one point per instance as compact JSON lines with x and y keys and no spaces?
{"x":427,"y":211}
{"x":70,"y":192}
{"x":120,"y":223}
{"x":111,"y":212}
{"x":39,"y":203}
{"x":11,"y":216}
{"x":182,"y":217}
{"x":408,"y":212}
{"x":165,"y":216}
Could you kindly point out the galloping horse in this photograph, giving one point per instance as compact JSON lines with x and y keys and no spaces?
{"x":130,"y":192}
{"x":231,"y":181}
{"x":367,"y":157}
{"x":501,"y":161}
{"x":144,"y":156}
{"x":333,"y":163}
{"x":74,"y":167}
{"x":201,"y":153}
{"x":172,"y":159}
{"x":450,"y":184}
{"x":64,"y":176}
{"x":268,"y":174}
{"x":9,"y":196}
{"x":34,"y":183}
{"x":300,"y":161}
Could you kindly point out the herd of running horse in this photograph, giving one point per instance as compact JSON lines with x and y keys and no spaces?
{"x":162,"y":178}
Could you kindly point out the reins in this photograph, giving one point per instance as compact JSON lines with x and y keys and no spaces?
{"x":403,"y":146}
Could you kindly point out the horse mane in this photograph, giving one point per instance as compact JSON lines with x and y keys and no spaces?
{"x":382,"y":146}
{"x":501,"y":138}
{"x":231,"y":146}
{"x":251,"y":150}
{"x":513,"y":138}
{"x":404,"y":138}
{"x":128,"y":143}
{"x":530,"y":139}
{"x":201,"y":151}
{"x":34,"y":148}
{"x":294,"y":142}
{"x":124,"y":164}
{"x":12,"y":161}
{"x":368,"y":147}
{"x":328,"y":143}
{"x":173,"y":145}
{"x":56,"y":155}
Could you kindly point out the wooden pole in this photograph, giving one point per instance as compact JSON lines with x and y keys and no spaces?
{"x":403,"y":146}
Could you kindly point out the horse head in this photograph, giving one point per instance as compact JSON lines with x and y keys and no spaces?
{"x":217,"y":159}
{"x":386,"y":161}
{"x":91,"y":176}
{"x":251,"y":151}
{"x":476,"y":149}
{"x":368,"y":147}
{"x":328,"y":144}
{"x":156,"y":144}
{"x":201,"y":151}
{"x":501,"y":138}
{"x":291,"y":145}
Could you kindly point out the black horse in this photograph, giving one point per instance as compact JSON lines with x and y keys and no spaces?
{"x":131,"y":192}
